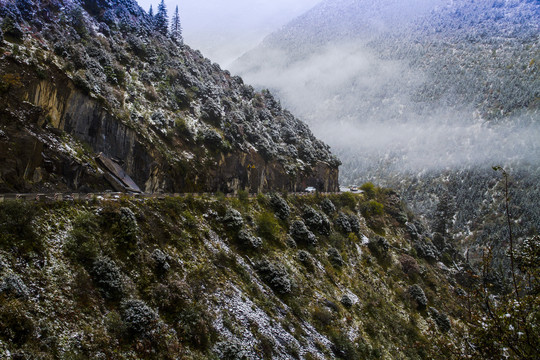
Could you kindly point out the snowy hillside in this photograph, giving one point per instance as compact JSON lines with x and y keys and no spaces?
{"x":411,"y":93}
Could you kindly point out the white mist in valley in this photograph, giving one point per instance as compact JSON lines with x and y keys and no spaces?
{"x":378,"y":108}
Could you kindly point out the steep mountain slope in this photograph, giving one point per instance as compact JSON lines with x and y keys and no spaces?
{"x":297,"y":277}
{"x":425,"y":100}
{"x":79,"y":78}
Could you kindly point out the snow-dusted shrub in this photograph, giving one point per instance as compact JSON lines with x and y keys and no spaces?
{"x":248,"y":240}
{"x":280,"y":206}
{"x":379,"y":246}
{"x":12,"y":285}
{"x":335,"y":257}
{"x":108,"y":278}
{"x":128,"y":223}
{"x":231,"y":350}
{"x":316,"y":221}
{"x":305,"y":259}
{"x":138,"y":317}
{"x":275,"y":275}
{"x":441,"y":319}
{"x":328,"y":206}
{"x":426,"y":250}
{"x":354,"y":223}
{"x":343,"y":224}
{"x":418,"y":295}
{"x":160,"y":261}
{"x":346,"y":301}
{"x":233,"y":219}
{"x":300,"y":233}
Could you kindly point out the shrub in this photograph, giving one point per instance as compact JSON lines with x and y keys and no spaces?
{"x":16,"y":226}
{"x":354,"y":223}
{"x":11,"y":28}
{"x":193,"y":326}
{"x":243,"y":196}
{"x":138,"y":317}
{"x":409,"y":265}
{"x":305,"y":259}
{"x":9,"y":81}
{"x":441,"y":319}
{"x":82,"y":245}
{"x":368,"y":189}
{"x":275,"y":275}
{"x":267,"y":226}
{"x":426,"y":250}
{"x":160,"y":261}
{"x":316,"y":221}
{"x":231,"y":350}
{"x":348,"y":199}
{"x":301,"y":234}
{"x":247,"y":240}
{"x":14,"y":286}
{"x":127,"y":225}
{"x":280,"y":206}
{"x":372,"y":208}
{"x":322,"y":317}
{"x":418,"y":295}
{"x":17,"y":327}
{"x":328,"y":206}
{"x":343,"y":224}
{"x":379,"y":247}
{"x":343,"y":347}
{"x":335,"y":257}
{"x":233,"y":219}
{"x":346,"y":301}
{"x":108,"y":278}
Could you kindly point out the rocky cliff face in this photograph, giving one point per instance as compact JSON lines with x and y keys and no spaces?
{"x":85,"y":77}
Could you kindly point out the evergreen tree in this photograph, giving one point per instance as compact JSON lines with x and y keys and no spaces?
{"x":151,"y":12}
{"x":176,"y":28}
{"x":161,"y":19}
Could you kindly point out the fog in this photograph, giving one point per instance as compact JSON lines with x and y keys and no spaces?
{"x":374,"y":109}
{"x":223,"y":30}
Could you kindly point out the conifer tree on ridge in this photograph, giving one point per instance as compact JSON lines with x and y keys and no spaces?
{"x":176,"y":28}
{"x":161,"y":19}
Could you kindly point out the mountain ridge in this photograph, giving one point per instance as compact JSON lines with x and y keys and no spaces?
{"x":98,"y":71}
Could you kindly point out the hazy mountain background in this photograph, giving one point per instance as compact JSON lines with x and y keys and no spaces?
{"x":423,"y":96}
{"x":223,"y":30}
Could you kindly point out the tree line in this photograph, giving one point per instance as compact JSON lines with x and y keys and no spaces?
{"x":160,"y":22}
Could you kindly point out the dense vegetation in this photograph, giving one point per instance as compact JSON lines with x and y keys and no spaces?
{"x":273,"y":276}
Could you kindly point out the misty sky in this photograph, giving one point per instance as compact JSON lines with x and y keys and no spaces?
{"x":224,"y":30}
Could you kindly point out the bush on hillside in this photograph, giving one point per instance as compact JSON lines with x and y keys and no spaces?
{"x":275,"y":275}
{"x":300,"y":233}
{"x":108,"y":278}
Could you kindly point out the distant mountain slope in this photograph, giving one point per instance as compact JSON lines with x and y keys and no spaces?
{"x":83,"y":77}
{"x":423,"y":99}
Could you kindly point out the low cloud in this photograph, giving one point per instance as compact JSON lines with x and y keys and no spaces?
{"x":369,"y":111}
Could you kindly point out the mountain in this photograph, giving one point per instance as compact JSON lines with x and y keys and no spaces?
{"x":424,"y":97}
{"x":93,"y":98}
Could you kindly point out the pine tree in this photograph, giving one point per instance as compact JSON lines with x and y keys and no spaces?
{"x":161,"y":19}
{"x":176,"y":28}
{"x":152,"y":18}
